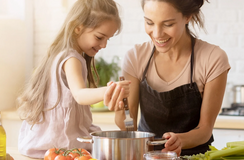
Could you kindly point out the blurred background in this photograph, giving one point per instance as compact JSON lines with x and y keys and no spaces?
{"x":27,"y":28}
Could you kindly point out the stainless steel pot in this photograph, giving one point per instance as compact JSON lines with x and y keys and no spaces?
{"x":238,"y":91}
{"x":121,"y":145}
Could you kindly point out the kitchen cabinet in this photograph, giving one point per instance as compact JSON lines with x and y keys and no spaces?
{"x":222,"y":136}
{"x":228,"y":129}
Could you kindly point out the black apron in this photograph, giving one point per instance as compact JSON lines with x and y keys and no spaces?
{"x":175,"y":111}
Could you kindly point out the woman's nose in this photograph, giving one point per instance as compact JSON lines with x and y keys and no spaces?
{"x":157,"y":32}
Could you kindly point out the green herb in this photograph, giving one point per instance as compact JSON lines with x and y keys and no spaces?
{"x":107,"y":71}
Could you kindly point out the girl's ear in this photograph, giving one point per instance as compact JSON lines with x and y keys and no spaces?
{"x":78,"y":29}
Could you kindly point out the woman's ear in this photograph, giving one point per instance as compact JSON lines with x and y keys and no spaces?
{"x":78,"y":29}
{"x":188,"y":19}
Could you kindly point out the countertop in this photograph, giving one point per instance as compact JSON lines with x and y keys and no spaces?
{"x":223,"y":122}
{"x":107,"y":117}
{"x":105,"y":120}
{"x":13,"y":151}
{"x":229,"y":122}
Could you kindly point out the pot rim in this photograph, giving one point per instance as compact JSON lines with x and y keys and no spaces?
{"x":102,"y":137}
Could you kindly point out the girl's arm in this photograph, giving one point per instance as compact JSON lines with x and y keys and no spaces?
{"x":211,"y":104}
{"x":133,"y":102}
{"x":87,"y":96}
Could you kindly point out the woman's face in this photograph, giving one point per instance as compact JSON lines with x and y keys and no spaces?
{"x":92,"y":40}
{"x":164,"y":24}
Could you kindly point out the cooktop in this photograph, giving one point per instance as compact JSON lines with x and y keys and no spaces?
{"x":236,"y":109}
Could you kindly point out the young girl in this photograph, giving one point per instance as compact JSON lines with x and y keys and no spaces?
{"x":55,"y":106}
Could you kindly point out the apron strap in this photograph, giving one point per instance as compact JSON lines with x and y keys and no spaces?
{"x":145,"y":71}
{"x":192,"y":59}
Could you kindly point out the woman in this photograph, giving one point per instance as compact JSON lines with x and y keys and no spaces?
{"x":177,"y":80}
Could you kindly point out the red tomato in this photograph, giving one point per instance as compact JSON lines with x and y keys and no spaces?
{"x":73,"y":155}
{"x":62,"y":157}
{"x":9,"y":157}
{"x":86,"y":157}
{"x":80,"y":154}
{"x":85,"y":152}
{"x":52,"y":153}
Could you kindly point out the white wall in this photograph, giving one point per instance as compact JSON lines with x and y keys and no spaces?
{"x":224,"y":23}
{"x":15,"y":48}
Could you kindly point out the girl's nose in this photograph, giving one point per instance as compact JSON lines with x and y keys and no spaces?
{"x":103,"y":44}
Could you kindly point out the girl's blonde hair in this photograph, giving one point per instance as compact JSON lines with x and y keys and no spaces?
{"x":89,"y":14}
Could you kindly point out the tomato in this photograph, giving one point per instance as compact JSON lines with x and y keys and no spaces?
{"x":8,"y":157}
{"x":80,"y":154}
{"x":52,"y":153}
{"x":74,"y":154}
{"x":85,"y":157}
{"x":83,"y":151}
{"x":62,"y":157}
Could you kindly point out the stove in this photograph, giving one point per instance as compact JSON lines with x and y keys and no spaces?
{"x":236,"y":109}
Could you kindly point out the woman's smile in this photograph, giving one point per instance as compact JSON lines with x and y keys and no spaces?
{"x":162,"y":43}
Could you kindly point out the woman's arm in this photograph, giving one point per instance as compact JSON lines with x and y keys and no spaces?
{"x":211,"y":104}
{"x":86,"y":96}
{"x":133,"y":102}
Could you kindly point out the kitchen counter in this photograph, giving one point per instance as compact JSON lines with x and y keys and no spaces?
{"x":222,"y":122}
{"x":105,"y":120}
{"x":13,"y":151}
{"x":229,"y":122}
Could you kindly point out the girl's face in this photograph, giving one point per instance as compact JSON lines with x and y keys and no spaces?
{"x":92,"y":40}
{"x":164,"y":24}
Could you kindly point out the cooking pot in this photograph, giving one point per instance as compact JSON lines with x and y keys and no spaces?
{"x":238,"y":95}
{"x":121,"y":145}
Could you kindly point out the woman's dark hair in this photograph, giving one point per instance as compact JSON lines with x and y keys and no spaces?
{"x":187,"y":8}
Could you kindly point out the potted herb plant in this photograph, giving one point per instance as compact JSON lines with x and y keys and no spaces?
{"x":106,"y":71}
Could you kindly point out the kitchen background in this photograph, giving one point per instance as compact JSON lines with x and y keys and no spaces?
{"x":27,"y":27}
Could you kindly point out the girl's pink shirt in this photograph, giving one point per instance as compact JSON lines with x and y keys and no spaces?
{"x":63,"y":124}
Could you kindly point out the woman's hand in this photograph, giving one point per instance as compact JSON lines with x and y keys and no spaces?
{"x":173,"y":143}
{"x":116,"y":91}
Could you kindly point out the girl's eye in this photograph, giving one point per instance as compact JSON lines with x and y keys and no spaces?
{"x":99,"y":38}
{"x":149,"y":23}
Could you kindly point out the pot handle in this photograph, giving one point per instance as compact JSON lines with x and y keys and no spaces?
{"x":85,"y":139}
{"x":157,"y":142}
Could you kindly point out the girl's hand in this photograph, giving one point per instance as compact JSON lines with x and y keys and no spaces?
{"x":173,"y":143}
{"x":116,"y":91}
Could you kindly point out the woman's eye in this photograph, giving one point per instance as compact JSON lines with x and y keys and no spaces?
{"x":169,"y":25}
